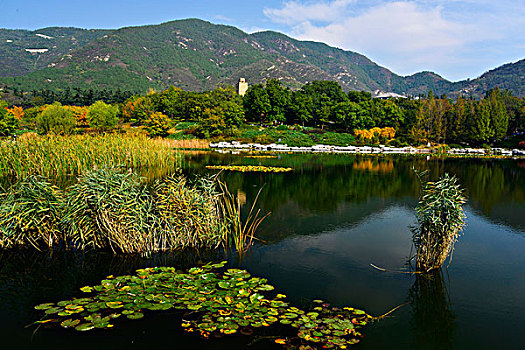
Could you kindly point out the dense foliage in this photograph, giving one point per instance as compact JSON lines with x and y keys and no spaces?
{"x":319,"y":112}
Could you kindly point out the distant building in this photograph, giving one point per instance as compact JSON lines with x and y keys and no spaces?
{"x":386,"y":95}
{"x":242,"y":86}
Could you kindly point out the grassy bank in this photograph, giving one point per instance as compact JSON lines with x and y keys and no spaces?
{"x":111,"y":209}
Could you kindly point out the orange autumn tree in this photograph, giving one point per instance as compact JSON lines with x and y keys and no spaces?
{"x":80,"y":114}
{"x":17,"y":112}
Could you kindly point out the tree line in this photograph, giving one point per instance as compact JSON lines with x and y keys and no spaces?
{"x":318,"y":104}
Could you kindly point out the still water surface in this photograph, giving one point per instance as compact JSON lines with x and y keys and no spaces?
{"x":330,"y":219}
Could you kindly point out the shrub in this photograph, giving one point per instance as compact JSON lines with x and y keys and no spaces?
{"x":56,"y":119}
{"x":158,"y":124}
{"x":102,"y":116}
{"x":440,"y":218}
{"x":8,"y":122}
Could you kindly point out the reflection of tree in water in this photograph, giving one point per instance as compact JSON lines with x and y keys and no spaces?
{"x":433,"y":321}
{"x":321,"y":183}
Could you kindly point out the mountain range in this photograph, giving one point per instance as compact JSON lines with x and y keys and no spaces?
{"x":197,"y":55}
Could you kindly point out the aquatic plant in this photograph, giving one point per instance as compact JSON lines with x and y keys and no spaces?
{"x":59,"y":157}
{"x":216,"y":303}
{"x":29,"y":213}
{"x":189,"y":216}
{"x":110,"y":208}
{"x":440,"y":218}
{"x":250,"y":168}
{"x":240,"y":235}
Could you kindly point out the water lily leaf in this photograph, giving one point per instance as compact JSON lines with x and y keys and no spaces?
{"x":359,"y":312}
{"x":53,"y":310}
{"x":114,"y":304}
{"x":265,"y":287}
{"x":312,"y":315}
{"x":69,"y":323}
{"x":85,"y":327}
{"x":255,"y":297}
{"x":86,"y":289}
{"x":194,"y":307}
{"x":162,"y":306}
{"x":45,"y":306}
{"x":195,"y":270}
{"x":135,"y":316}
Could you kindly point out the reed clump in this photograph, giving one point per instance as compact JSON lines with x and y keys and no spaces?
{"x":61,"y":156}
{"x":30,"y":213}
{"x":190,"y":216}
{"x":110,"y":208}
{"x":241,"y":234}
{"x":440,"y":219}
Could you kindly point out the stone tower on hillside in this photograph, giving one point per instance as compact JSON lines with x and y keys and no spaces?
{"x":242,"y":86}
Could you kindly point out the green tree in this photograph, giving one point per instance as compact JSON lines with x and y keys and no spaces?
{"x":280,"y":99}
{"x":102,"y":116}
{"x":302,"y":108}
{"x":56,"y":119}
{"x":323,"y":95}
{"x":8,"y":122}
{"x":257,"y":104}
{"x":352,"y":115}
{"x":499,"y":119}
{"x":479,"y":128}
{"x":457,"y":119}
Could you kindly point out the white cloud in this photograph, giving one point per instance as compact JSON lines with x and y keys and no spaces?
{"x":294,"y":12}
{"x":453,"y":38}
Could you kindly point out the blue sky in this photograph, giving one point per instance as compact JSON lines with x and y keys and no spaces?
{"x":457,"y":39}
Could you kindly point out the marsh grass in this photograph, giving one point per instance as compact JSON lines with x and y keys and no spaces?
{"x":29,"y":213}
{"x":440,"y":219}
{"x":189,"y":216}
{"x":241,"y":234}
{"x":111,"y":209}
{"x":58,"y":157}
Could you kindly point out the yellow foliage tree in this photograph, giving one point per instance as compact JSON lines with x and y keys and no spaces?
{"x":17,"y":112}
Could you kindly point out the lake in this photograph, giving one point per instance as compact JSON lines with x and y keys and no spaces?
{"x":331,"y":218}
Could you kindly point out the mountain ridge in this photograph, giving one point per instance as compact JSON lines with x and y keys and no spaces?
{"x":198,"y":55}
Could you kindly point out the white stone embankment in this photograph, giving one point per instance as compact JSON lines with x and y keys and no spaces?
{"x":234,"y":145}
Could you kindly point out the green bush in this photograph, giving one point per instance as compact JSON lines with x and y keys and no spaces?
{"x":30,"y":212}
{"x":102,"y":116}
{"x":8,"y":122}
{"x":56,"y":119}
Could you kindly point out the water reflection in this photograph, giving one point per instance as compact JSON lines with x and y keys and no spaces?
{"x":323,"y":184}
{"x":432,"y":321}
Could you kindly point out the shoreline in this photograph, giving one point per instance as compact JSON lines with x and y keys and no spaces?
{"x":320,"y":148}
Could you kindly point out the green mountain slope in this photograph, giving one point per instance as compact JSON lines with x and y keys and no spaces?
{"x":197,"y":55}
{"x":17,"y":55}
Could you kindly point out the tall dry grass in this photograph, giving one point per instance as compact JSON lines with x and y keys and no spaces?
{"x":111,"y":209}
{"x":62,"y":156}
